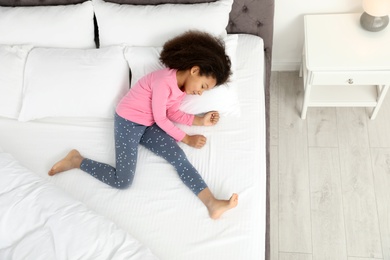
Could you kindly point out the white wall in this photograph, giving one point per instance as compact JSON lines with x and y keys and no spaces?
{"x":288,"y":27}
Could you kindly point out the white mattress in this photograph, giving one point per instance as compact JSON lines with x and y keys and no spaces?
{"x":158,"y":210}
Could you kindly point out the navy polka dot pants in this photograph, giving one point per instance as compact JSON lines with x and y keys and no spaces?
{"x":127,"y":137}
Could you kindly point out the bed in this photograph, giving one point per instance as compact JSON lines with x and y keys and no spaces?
{"x":74,"y":216}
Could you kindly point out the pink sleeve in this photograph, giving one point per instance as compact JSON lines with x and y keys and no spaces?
{"x":178,"y":116}
{"x":159,"y":108}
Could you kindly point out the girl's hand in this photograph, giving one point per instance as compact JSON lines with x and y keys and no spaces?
{"x":196,"y":141}
{"x":211,"y":118}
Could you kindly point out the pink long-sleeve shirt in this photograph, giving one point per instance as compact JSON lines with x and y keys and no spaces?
{"x":156,"y":98}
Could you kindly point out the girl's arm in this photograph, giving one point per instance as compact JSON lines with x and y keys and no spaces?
{"x":209,"y":119}
{"x":160,"y":95}
{"x":175,"y":115}
{"x":198,"y":141}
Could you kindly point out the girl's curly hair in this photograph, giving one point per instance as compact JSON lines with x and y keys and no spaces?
{"x":195,"y":48}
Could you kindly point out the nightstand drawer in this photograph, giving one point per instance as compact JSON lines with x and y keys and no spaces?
{"x":351,"y":78}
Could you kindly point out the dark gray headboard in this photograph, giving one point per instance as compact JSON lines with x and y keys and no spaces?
{"x":247,"y":16}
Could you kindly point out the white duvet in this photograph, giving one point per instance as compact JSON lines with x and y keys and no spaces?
{"x":40,"y":221}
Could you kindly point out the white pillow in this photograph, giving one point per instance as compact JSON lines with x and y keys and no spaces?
{"x":74,"y":83}
{"x":222,"y":99}
{"x":153,"y":25}
{"x":65,"y":26}
{"x":12,"y":62}
{"x":143,"y":60}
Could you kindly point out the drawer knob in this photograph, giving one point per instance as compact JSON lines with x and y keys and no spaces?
{"x":350,"y":81}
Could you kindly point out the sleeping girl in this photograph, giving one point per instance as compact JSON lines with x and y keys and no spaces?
{"x":195,"y":62}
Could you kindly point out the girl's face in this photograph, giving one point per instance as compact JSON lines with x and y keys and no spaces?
{"x":196,"y":84}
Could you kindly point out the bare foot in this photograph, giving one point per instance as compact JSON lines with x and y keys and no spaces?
{"x":218,"y":207}
{"x":71,"y":161}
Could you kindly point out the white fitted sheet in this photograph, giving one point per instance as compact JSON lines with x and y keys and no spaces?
{"x":158,"y":210}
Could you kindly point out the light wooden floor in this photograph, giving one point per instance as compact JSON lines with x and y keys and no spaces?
{"x":330,"y":178}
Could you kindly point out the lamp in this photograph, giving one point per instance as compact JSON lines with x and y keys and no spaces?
{"x":375,"y":17}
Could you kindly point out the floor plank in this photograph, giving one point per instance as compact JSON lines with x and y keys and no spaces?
{"x":322,"y":127}
{"x":360,"y":211}
{"x":326,"y":205}
{"x":352,"y":127}
{"x":363,"y":258}
{"x":294,"y":256}
{"x":381,"y":169}
{"x":361,"y":218}
{"x":294,"y":197}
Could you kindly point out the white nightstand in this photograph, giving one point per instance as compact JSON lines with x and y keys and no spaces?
{"x":344,"y":65}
